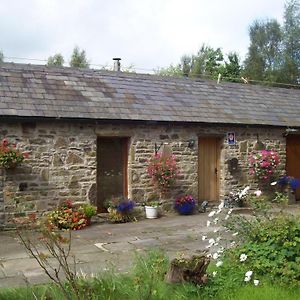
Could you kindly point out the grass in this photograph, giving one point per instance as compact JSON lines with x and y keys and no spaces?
{"x":146,"y":281}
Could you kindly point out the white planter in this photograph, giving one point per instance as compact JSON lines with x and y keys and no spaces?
{"x":151,"y":212}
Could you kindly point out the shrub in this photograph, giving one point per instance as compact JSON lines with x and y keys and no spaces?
{"x":273,"y":247}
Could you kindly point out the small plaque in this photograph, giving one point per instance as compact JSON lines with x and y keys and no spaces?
{"x":231,"y":138}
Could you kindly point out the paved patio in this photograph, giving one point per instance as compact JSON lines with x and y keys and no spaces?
{"x":103,"y":245}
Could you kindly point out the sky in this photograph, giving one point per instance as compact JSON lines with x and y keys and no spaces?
{"x":146,"y":34}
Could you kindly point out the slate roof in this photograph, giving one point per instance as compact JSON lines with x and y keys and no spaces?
{"x":39,"y":91}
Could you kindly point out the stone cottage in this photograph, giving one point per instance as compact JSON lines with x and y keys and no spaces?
{"x":90,"y":134}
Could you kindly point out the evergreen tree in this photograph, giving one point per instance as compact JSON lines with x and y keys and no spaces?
{"x":1,"y":57}
{"x":78,"y":59}
{"x":56,"y":60}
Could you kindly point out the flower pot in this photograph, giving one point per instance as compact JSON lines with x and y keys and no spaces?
{"x":185,"y":208}
{"x":151,"y":212}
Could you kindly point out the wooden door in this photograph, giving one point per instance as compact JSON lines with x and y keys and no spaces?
{"x":293,"y":158}
{"x":208,"y":168}
{"x":112,"y":160}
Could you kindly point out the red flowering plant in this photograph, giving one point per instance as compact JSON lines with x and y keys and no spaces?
{"x":10,"y":156}
{"x":68,"y":216}
{"x":263,"y":164}
{"x":163,"y":171}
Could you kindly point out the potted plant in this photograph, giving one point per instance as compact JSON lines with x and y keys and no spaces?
{"x":120,"y":209}
{"x":10,"y":156}
{"x":151,"y":206}
{"x":185,"y":204}
{"x":89,"y":211}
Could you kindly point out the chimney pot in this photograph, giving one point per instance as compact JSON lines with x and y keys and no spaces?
{"x":117,"y":64}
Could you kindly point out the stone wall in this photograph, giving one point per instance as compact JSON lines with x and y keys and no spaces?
{"x":62,"y":162}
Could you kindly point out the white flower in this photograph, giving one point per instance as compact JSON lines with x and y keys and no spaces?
{"x":257,"y":193}
{"x":256,"y":282}
{"x":243,"y":257}
{"x":208,"y":255}
{"x":221,"y":205}
{"x":208,"y":223}
{"x":247,"y":279}
{"x":232,"y":243}
{"x":226,"y":217}
{"x":214,"y":273}
{"x":211,"y":213}
{"x":230,"y":211}
{"x":248,"y":273}
{"x":273,"y":183}
{"x":219,"y":263}
{"x":216,"y":220}
{"x":204,"y":237}
{"x":221,"y":250}
{"x":216,"y":230}
{"x":218,"y":211}
{"x":211,"y":241}
{"x":235,"y":234}
{"x":215,"y":255}
{"x":244,"y":192}
{"x":218,"y":239}
{"x":208,"y":246}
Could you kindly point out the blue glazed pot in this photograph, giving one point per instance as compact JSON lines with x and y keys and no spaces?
{"x":185,"y":209}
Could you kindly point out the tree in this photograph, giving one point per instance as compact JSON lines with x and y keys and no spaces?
{"x":78,"y":59}
{"x":264,"y":58}
{"x":1,"y":57}
{"x":56,"y":60}
{"x":207,"y":62}
{"x":231,"y":71}
{"x":291,"y":42}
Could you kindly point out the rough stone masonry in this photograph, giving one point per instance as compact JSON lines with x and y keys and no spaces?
{"x":63,"y":160}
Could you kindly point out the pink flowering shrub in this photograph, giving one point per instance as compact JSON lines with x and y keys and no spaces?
{"x":263,"y":164}
{"x":163,"y":171}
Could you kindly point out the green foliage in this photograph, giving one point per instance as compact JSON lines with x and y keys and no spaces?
{"x":281,"y":198}
{"x":291,"y":42}
{"x":78,"y":59}
{"x":263,"y":60}
{"x":146,"y":281}
{"x":89,"y":210}
{"x":232,"y":69}
{"x":207,"y":62}
{"x":56,"y":60}
{"x":170,"y":71}
{"x":274,"y":51}
{"x":273,"y":248}
{"x":1,"y":57}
